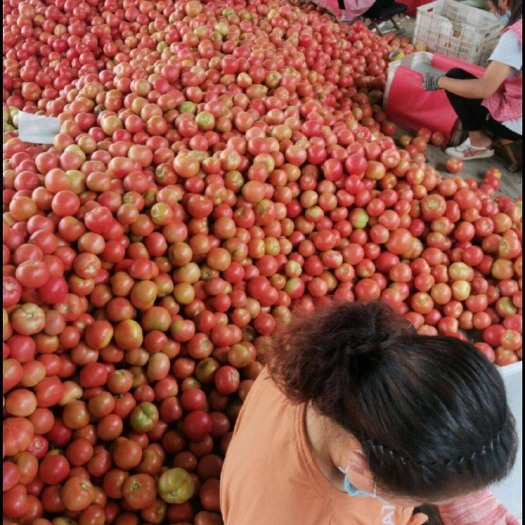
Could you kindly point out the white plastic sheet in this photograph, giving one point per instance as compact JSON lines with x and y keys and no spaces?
{"x":37,"y":129}
{"x":509,"y":491}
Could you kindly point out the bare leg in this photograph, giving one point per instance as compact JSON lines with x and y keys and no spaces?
{"x":479,"y":139}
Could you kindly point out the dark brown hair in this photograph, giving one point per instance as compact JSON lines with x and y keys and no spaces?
{"x":429,"y":412}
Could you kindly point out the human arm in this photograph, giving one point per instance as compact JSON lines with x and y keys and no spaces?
{"x":480,"y":88}
{"x":480,"y":508}
{"x":504,"y":60}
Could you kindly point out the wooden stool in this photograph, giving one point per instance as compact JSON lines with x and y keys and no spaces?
{"x":506,"y":145}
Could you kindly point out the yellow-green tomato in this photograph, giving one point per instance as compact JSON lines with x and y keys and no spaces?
{"x":176,"y":486}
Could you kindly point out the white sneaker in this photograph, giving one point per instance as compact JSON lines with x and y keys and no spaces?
{"x":466,"y":151}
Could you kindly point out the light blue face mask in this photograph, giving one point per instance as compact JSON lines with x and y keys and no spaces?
{"x":352,"y":491}
{"x":503,"y":19}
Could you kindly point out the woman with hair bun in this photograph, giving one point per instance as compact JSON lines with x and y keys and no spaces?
{"x":357,"y":420}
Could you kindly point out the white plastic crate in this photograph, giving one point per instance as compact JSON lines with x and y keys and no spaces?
{"x":457,"y":30}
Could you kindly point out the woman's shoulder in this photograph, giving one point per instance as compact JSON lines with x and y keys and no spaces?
{"x":508,"y":51}
{"x":510,"y":36}
{"x":515,"y":29}
{"x":509,"y":40}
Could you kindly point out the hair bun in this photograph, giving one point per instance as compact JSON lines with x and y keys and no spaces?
{"x":365,"y":346}
{"x":377,"y":338}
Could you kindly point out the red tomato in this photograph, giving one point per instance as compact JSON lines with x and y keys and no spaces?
{"x":32,"y":274}
{"x":15,"y":502}
{"x":227,"y":380}
{"x":12,"y":291}
{"x":139,"y":491}
{"x":453,"y":165}
{"x":11,"y":475}
{"x":99,"y":219}
{"x":53,"y":469}
{"x":12,"y":375}
{"x":197,"y":425}
{"x":77,"y":493}
{"x":54,"y":290}
{"x":18,"y":433}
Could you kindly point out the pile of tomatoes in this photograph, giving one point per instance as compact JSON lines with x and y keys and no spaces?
{"x":218,"y":165}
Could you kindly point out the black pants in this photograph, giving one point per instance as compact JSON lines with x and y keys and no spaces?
{"x":474,"y":116}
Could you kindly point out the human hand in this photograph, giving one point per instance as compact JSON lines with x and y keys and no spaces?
{"x":430,"y":81}
{"x":418,"y":519}
{"x":480,"y":508}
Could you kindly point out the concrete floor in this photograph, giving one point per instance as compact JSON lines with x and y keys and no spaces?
{"x":511,"y":183}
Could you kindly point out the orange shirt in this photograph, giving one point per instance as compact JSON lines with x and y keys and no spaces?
{"x":270,"y":476}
